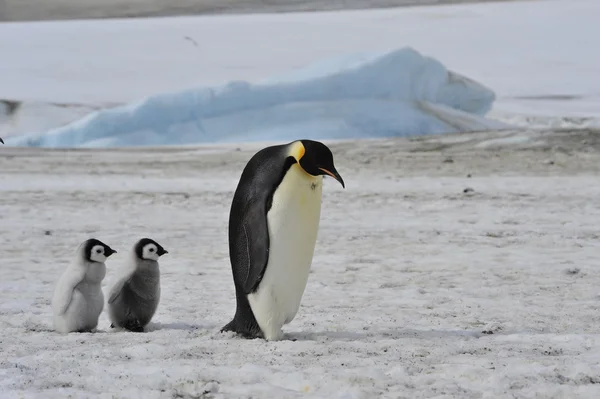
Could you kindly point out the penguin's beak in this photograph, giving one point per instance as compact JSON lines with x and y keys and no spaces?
{"x":1,"y":141}
{"x":161,"y":251}
{"x":109,"y":252}
{"x":334,"y":173}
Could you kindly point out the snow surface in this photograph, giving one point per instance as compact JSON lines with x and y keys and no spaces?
{"x":409,"y":272}
{"x":395,"y":94}
{"x":541,"y":74}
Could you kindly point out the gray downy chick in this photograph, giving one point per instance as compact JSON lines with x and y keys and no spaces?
{"x":134,"y":297}
{"x":78,"y":300}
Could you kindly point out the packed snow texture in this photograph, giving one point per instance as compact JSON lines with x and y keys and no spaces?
{"x":399,"y":93}
{"x":418,"y":289}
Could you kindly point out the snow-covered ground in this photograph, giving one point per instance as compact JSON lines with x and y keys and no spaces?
{"x":418,"y":289}
{"x":458,"y":265}
{"x":541,"y":75}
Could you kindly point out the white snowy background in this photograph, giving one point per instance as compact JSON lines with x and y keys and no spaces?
{"x":460,"y":265}
{"x":253,"y":77}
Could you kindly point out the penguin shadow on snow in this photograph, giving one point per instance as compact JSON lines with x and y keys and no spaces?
{"x":383,"y":334}
{"x":178,"y":325}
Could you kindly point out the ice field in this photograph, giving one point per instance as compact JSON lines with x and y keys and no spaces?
{"x":418,"y":288}
{"x":400,"y":93}
{"x":456,"y":265}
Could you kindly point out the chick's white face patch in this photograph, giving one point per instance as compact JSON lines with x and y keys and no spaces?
{"x":150,"y":252}
{"x":97,"y":254}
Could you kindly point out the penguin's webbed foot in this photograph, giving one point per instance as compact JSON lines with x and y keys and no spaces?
{"x":247,"y":332}
{"x":134,"y":326}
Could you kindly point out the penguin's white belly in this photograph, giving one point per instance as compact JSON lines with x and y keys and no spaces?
{"x":293,"y":222}
{"x":84,"y":310}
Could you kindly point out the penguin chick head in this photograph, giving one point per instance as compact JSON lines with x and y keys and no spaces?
{"x":148,"y":249}
{"x":96,"y":251}
{"x":315,"y":158}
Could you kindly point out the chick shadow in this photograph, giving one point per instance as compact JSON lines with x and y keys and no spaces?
{"x":156,"y":326}
{"x":384,"y":334}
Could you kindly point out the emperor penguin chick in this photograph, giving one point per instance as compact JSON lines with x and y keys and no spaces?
{"x":78,"y":299}
{"x":134,"y":297}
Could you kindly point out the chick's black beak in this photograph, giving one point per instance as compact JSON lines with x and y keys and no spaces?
{"x":109,"y":251}
{"x":1,"y":141}
{"x":161,"y":251}
{"x":334,"y":173}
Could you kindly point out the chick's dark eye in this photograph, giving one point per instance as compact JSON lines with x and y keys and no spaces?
{"x":151,"y":249}
{"x":98,"y":251}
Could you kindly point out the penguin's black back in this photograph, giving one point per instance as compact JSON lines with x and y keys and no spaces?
{"x":248,"y":229}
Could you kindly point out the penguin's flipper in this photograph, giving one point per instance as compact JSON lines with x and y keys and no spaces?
{"x":251,"y":252}
{"x":63,"y":293}
{"x":117,"y":289}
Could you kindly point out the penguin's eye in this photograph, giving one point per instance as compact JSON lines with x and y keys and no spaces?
{"x":151,"y":249}
{"x":98,"y":251}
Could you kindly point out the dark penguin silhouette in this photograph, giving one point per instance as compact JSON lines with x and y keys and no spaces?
{"x":273,"y":226}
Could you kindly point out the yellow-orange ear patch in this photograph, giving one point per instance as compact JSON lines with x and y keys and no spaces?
{"x":297,"y":150}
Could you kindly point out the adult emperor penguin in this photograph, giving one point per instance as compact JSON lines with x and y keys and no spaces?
{"x":273,"y":226}
{"x":134,"y":297}
{"x":78,"y":300}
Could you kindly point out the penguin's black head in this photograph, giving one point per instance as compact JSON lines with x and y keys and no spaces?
{"x":148,"y":249}
{"x":315,"y":158}
{"x":96,"y":251}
